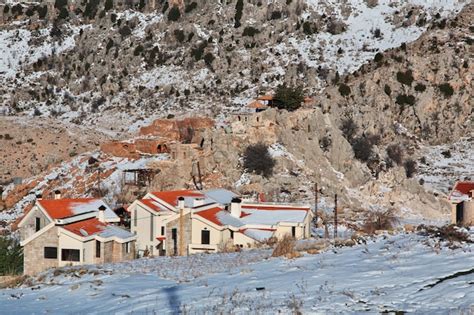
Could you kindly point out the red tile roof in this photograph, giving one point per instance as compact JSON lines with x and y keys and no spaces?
{"x":256,"y":104}
{"x":171,"y":197}
{"x":150,"y":203}
{"x":63,"y":208}
{"x":211,"y":215}
{"x":464,"y":187}
{"x":89,"y":226}
{"x":265,"y":98}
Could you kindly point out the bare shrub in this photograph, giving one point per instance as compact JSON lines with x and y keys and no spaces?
{"x":349,"y":128}
{"x":410,"y":167}
{"x":285,"y":246}
{"x":257,"y":159}
{"x":228,"y":247}
{"x":450,"y":233}
{"x":379,"y":220}
{"x":395,"y":153}
{"x":363,"y":146}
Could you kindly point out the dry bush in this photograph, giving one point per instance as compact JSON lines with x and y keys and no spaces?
{"x":449,"y":233}
{"x":293,"y":255}
{"x":284,"y":246}
{"x":312,"y":245}
{"x":379,"y":220}
{"x":228,"y":247}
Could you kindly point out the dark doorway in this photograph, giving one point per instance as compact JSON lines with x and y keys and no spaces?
{"x":459,"y":213}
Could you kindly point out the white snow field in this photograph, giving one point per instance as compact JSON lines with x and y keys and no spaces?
{"x":405,"y":272}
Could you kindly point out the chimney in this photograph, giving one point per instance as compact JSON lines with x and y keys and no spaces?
{"x":235,"y":207}
{"x":181,"y":203}
{"x":39,"y":196}
{"x":57,"y":194}
{"x":102,"y":213}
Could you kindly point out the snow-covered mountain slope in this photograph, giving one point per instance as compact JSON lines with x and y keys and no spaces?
{"x":402,"y":273}
{"x":125,"y":65}
{"x":441,"y":166}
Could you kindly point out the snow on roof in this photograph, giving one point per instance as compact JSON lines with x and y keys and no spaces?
{"x":93,"y":226}
{"x":258,"y":234}
{"x":222,"y":196}
{"x":171,"y":197}
{"x":64,"y":208}
{"x":265,"y":214}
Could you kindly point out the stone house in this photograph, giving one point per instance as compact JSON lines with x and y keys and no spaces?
{"x":186,"y":222}
{"x":62,"y":232}
{"x":462,"y":203}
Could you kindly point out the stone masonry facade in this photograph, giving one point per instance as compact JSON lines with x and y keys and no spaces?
{"x":187,"y":235}
{"x":34,"y":261}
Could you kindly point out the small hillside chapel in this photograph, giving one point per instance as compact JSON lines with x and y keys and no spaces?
{"x":62,"y":232}
{"x":185,"y":222}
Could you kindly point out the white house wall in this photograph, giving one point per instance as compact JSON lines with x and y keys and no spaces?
{"x":68,"y":242}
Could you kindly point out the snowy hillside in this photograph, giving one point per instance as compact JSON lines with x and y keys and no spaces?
{"x":130,"y":64}
{"x":405,"y":273}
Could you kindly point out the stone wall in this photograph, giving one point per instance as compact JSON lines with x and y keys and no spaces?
{"x":187,"y":235}
{"x":115,"y":252}
{"x":34,"y":261}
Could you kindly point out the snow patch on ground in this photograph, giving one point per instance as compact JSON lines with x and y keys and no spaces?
{"x":387,"y":274}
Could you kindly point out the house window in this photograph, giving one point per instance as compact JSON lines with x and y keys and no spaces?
{"x":231,"y":234}
{"x":135,"y":217}
{"x":38,"y":224}
{"x":70,"y":254}
{"x":162,"y":230}
{"x":293,"y":231}
{"x":151,"y":227}
{"x":127,"y":247}
{"x":97,"y":249}
{"x":205,"y":237}
{"x":51,"y":252}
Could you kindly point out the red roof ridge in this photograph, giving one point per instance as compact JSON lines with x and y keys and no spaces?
{"x":171,"y":196}
{"x":61,"y":208}
{"x":90,"y":226}
{"x":464,"y":187}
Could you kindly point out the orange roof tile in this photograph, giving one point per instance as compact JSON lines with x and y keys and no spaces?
{"x":150,"y":203}
{"x":256,"y":104}
{"x":89,"y":226}
{"x":265,"y":98}
{"x":464,"y":187}
{"x":211,"y":215}
{"x":171,"y":197}
{"x":63,"y":208}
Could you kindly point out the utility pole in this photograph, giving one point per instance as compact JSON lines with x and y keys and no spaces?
{"x":335,"y":216}
{"x":316,"y":204}
{"x":181,"y":232}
